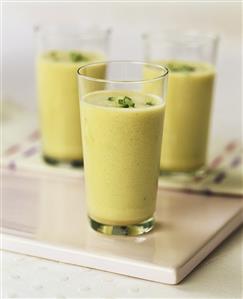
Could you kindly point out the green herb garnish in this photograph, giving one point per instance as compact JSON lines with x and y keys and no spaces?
{"x":149,"y":103}
{"x":53,"y":55}
{"x":126,"y":102}
{"x":180,"y":67}
{"x":76,"y":56}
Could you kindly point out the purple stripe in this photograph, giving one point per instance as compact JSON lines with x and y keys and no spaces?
{"x":12,"y":165}
{"x":219,"y":177}
{"x":30,"y":152}
{"x":236,"y":161}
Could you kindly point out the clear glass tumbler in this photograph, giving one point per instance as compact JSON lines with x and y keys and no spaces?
{"x":121,"y":134}
{"x":190,"y":58}
{"x":61,"y":51}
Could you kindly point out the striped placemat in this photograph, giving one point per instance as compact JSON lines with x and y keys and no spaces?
{"x":25,"y":155}
{"x":21,"y":151}
{"x":223,"y":176}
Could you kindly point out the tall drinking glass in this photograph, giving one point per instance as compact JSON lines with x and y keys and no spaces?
{"x":61,"y":51}
{"x":121,"y":134}
{"x":190,"y":58}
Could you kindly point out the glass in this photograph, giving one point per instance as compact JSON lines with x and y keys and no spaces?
{"x":61,"y":51}
{"x":190,"y":58}
{"x":121,"y":135}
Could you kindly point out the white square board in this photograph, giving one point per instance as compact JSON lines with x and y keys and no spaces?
{"x":45,"y":216}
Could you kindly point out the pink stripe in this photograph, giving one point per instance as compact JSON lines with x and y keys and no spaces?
{"x":34,"y":136}
{"x":216,"y":162}
{"x":12,"y":149}
{"x":231,"y":146}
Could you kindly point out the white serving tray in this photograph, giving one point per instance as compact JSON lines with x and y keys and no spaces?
{"x":45,"y":216}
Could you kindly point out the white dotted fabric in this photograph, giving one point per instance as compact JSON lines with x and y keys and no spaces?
{"x":220,"y":276}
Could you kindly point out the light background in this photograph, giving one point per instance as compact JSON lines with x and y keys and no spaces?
{"x":128,"y":21}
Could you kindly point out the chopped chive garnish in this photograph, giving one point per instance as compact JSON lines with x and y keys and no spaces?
{"x":121,"y":101}
{"x":149,"y":103}
{"x":127,"y":98}
{"x":76,"y":56}
{"x":180,"y":67}
{"x":53,"y":55}
{"x":125,"y":102}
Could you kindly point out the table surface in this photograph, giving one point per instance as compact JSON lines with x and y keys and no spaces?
{"x":219,"y":276}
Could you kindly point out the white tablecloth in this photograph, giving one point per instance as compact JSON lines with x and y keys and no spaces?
{"x":219,"y":276}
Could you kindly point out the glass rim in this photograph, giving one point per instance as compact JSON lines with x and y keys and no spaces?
{"x":195,"y":36}
{"x":164,"y":71}
{"x":73,"y":32}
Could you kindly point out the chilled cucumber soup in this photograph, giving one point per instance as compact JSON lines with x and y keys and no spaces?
{"x":187,"y":117}
{"x":121,"y":133}
{"x":59,"y":102}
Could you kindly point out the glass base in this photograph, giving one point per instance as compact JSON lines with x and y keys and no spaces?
{"x":184,"y":175}
{"x":123,"y":230}
{"x":56,"y":162}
